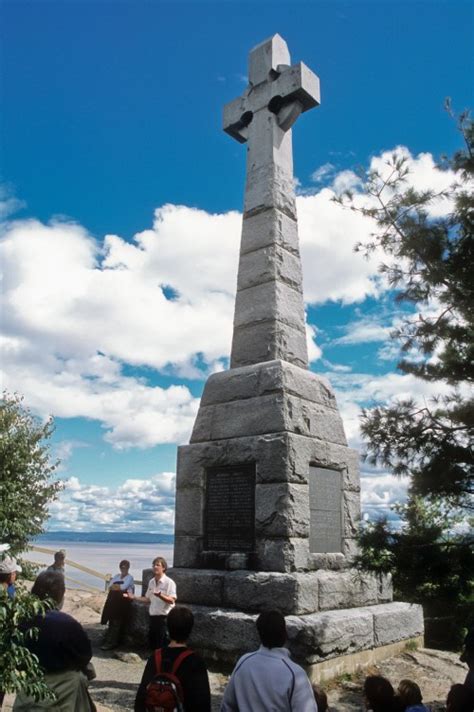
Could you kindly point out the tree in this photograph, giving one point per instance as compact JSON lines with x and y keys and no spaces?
{"x":26,"y":471}
{"x":429,"y":256}
{"x":429,"y":266}
{"x":20,"y":668}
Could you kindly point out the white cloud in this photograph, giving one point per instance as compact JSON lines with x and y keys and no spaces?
{"x":364,"y":331}
{"x":322,"y":173}
{"x":76,"y":310}
{"x":136,"y":505}
{"x":380,"y":492}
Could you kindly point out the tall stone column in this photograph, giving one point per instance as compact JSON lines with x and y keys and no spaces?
{"x":268,"y":494}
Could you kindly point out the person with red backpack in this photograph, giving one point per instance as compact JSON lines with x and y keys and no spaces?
{"x":175,"y":678}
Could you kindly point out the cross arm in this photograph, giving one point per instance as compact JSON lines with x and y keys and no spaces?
{"x":296,"y":83}
{"x":236,"y":119}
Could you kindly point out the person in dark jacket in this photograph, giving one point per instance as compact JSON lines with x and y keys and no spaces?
{"x":192,"y":673}
{"x":63,"y":651}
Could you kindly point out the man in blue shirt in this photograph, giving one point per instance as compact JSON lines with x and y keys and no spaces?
{"x":268,"y":679}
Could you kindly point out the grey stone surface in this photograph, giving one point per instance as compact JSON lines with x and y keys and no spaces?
{"x":270,"y":283}
{"x":323,"y":635}
{"x":396,"y":620}
{"x":223,"y":634}
{"x":346,"y":589}
{"x":351,"y":513}
{"x":226,"y":634}
{"x":187,"y":551}
{"x":268,"y":301}
{"x":256,"y":591}
{"x":269,"y":264}
{"x":202,"y":587}
{"x":267,"y":414}
{"x":281,"y":510}
{"x":269,"y":228}
{"x":284,"y":554}
{"x":265,"y":379}
{"x":189,"y":511}
{"x":138,"y":624}
{"x":266,"y":341}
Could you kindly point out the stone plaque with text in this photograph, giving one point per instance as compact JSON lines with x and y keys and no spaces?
{"x":325,"y":505}
{"x":230,"y":509}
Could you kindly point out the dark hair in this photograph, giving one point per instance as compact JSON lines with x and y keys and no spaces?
{"x":124,"y":562}
{"x":271,"y":628}
{"x":180,"y":621}
{"x":460,"y":699}
{"x":49,"y":584}
{"x":5,"y":578}
{"x":379,"y":693}
{"x":160,"y":559}
{"x":321,"y":698}
{"x":409,"y":693}
{"x":59,"y":556}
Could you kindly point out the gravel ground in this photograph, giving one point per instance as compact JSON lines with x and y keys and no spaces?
{"x":117,"y":679}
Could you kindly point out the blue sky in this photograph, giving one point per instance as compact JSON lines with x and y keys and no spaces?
{"x":121,"y":197}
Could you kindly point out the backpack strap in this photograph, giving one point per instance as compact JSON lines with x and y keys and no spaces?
{"x":158,"y":660}
{"x":182,"y":656}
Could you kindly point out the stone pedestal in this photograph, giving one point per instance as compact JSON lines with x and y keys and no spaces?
{"x":267,"y":491}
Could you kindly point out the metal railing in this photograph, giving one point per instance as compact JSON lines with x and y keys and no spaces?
{"x":85,"y":569}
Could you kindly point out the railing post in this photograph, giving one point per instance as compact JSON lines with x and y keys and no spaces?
{"x":107,"y":580}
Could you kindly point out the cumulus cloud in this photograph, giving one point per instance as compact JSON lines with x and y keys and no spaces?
{"x":79,"y":314}
{"x":322,"y":173}
{"x":136,"y":505}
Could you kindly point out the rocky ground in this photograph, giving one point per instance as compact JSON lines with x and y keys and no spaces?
{"x":118,"y":673}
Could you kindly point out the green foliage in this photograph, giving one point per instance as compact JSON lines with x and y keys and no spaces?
{"x":428,"y":263}
{"x":20,"y":669}
{"x":429,"y":562}
{"x":429,"y":266}
{"x":26,"y":470}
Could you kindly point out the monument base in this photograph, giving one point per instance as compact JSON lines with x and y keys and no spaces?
{"x":326,"y":643}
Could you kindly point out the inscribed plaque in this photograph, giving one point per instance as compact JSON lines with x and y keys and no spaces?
{"x":229,"y":518}
{"x":325,"y":505}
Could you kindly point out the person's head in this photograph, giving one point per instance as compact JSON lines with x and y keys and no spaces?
{"x":8,"y":570}
{"x":50,"y":584}
{"x":124,"y":566}
{"x":321,"y":698}
{"x":180,"y":621}
{"x":159,"y":566}
{"x":379,"y":693}
{"x":460,"y":699}
{"x":59,"y":558}
{"x":409,"y":693}
{"x":271,"y":628}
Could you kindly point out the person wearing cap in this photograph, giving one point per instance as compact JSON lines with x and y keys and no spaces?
{"x":9,"y":568}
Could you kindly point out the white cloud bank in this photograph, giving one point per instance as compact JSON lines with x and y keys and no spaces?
{"x":136,"y":505}
{"x":76,"y":311}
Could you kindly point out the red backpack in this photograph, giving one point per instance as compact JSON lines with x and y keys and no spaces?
{"x":165,"y":693}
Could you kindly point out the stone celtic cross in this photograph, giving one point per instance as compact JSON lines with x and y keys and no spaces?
{"x":269,"y":312}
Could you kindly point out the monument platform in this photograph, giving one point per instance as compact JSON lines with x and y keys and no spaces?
{"x":267,"y":491}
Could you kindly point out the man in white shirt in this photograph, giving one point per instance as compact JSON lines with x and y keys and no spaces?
{"x":268,"y":679}
{"x":161,"y":597}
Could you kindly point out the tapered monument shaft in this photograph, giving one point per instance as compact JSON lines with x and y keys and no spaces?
{"x":269,"y":320}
